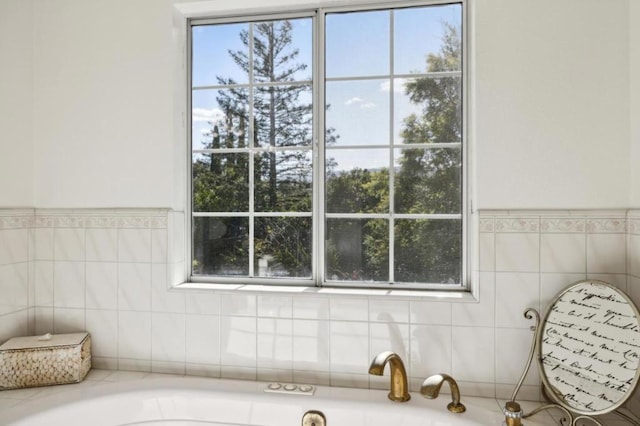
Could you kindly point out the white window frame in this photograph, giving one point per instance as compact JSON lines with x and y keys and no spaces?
{"x":318,"y":278}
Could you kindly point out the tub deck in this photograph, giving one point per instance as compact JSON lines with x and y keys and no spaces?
{"x":109,"y":398}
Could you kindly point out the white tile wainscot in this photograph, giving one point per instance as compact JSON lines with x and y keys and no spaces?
{"x":17,"y":273}
{"x":109,"y":271}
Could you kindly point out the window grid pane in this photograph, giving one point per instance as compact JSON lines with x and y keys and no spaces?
{"x":251,"y":145}
{"x":423,"y":110}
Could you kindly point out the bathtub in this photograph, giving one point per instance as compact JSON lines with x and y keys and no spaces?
{"x":192,"y":401}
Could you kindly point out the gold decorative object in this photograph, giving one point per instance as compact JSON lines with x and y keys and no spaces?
{"x":512,"y":414}
{"x":431,"y":389}
{"x":314,"y":418}
{"x":44,"y":360}
{"x":399,"y":389}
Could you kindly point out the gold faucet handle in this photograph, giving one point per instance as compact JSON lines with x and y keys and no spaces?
{"x":512,"y":414}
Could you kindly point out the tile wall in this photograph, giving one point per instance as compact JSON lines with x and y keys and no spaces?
{"x":17,"y":280}
{"x":108,"y":271}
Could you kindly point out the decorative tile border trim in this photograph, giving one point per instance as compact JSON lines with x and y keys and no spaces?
{"x":517,"y":224}
{"x":607,"y":226}
{"x":154,"y":222}
{"x":595,"y":222}
{"x":127,"y":219}
{"x":562,"y":225}
{"x":16,"y":222}
{"x":486,"y":224}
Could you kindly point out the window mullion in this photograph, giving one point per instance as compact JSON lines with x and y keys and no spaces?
{"x":252,"y":131}
{"x":391,"y":155}
{"x":320,"y":145}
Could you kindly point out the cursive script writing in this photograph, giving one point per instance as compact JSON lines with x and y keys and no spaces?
{"x":590,"y":346}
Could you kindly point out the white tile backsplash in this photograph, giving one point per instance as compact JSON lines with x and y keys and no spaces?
{"x":164,"y":299}
{"x":431,"y":350}
{"x":355,"y":309}
{"x":389,"y":311}
{"x":203,"y":340}
{"x":104,"y":332}
{"x":563,"y":252}
{"x":238,"y":341}
{"x":311,"y":345}
{"x":473,"y":354}
{"x":68,"y":320}
{"x":134,"y":286}
{"x":275,"y":343}
{"x":349,"y":342}
{"x":435,"y":313}
{"x":102,"y":244}
{"x":202,"y":302}
{"x":514,"y":293}
{"x":44,"y":244}
{"x":168,"y":338}
{"x":69,"y":244}
{"x":512,"y":350}
{"x":606,"y":253}
{"x":517,"y":251}
{"x":108,"y":272}
{"x":101,"y":285}
{"x":481,"y":313}
{"x":134,"y":335}
{"x":44,"y":283}
{"x":69,"y":284}
{"x":311,"y":308}
{"x":275,"y":306}
{"x":14,"y":246}
{"x":239,"y":304}
{"x":389,"y":337}
{"x":134,"y":245}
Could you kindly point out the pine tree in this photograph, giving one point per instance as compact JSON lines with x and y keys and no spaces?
{"x":282,"y":118}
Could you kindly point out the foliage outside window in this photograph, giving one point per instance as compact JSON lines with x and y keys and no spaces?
{"x":346,"y":174}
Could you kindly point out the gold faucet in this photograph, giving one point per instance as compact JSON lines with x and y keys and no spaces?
{"x":431,"y":389}
{"x":399,"y":389}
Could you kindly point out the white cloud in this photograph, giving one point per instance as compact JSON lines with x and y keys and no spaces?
{"x":354,"y":100}
{"x":398,"y":85}
{"x":202,"y":114}
{"x":363,"y":105}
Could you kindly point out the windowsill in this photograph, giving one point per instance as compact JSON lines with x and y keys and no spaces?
{"x":431,"y":295}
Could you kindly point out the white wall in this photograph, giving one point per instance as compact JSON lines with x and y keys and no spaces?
{"x":634,"y":111}
{"x":103,"y":103}
{"x":552,"y":103}
{"x":16,"y":103}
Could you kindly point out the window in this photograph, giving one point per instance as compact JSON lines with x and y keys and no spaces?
{"x":328,"y":148}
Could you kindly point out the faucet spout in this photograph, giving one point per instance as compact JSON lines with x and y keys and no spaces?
{"x":399,"y":389}
{"x":431,"y":389}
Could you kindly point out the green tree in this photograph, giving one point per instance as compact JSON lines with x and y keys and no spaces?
{"x":282,"y":118}
{"x":357,"y":249}
{"x":429,"y":179}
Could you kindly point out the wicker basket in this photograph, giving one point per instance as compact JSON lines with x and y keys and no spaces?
{"x":45,"y":360}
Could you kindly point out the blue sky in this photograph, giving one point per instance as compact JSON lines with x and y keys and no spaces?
{"x":357,"y":44}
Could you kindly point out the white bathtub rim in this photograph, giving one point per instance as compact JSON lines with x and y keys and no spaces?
{"x":188,"y":388}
